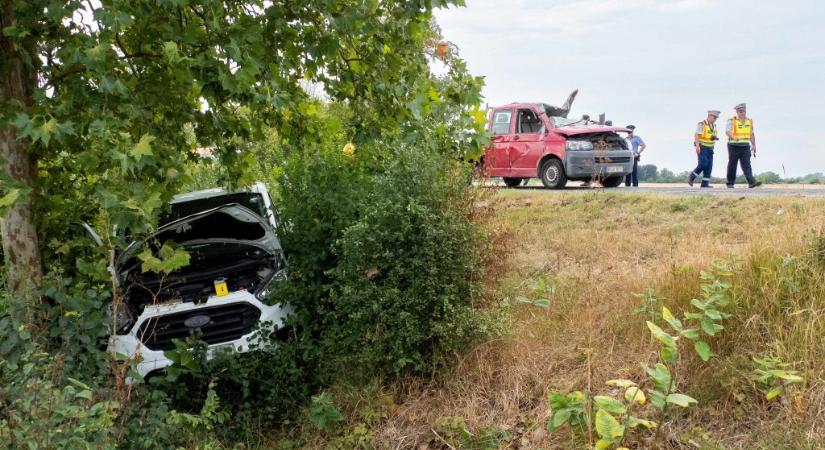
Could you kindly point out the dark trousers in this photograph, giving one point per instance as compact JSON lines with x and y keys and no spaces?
{"x":739,"y":154}
{"x":705,"y":166}
{"x":633,"y":177}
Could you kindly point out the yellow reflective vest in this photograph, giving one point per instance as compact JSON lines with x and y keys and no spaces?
{"x":741,"y":131}
{"x":708,"y":133}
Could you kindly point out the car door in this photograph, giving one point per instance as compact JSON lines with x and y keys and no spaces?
{"x":497,"y":156}
{"x":527,"y":146}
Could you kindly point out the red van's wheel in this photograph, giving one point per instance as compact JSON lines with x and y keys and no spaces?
{"x":552,"y":174}
{"x":612,"y":182}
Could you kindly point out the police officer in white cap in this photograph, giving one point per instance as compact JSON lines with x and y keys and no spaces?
{"x":741,"y":145}
{"x":703,"y":141}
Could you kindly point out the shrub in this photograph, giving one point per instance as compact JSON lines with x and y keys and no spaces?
{"x":407,"y":271}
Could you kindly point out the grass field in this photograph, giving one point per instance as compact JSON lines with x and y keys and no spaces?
{"x":596,"y":253}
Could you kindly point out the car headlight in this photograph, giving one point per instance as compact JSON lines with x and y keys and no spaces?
{"x":579,"y":145}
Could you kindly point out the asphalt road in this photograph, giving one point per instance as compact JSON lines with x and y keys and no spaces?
{"x":676,"y":189}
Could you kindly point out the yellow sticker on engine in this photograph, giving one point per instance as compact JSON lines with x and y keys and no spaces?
{"x":221,"y":288}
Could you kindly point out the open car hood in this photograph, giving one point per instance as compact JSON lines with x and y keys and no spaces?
{"x":228,"y":242}
{"x":588,"y":129}
{"x":231,"y":223}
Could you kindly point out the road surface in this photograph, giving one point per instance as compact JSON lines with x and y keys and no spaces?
{"x":683,"y":189}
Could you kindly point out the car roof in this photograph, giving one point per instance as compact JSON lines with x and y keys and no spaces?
{"x":521,"y":105}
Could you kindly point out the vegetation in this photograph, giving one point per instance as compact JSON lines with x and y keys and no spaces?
{"x":609,"y":264}
{"x":107,"y":110}
{"x":651,"y":174}
{"x":429,"y":314}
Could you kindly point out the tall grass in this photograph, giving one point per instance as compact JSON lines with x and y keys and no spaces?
{"x":600,"y":251}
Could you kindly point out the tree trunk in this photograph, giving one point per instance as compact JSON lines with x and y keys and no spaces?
{"x":24,"y":270}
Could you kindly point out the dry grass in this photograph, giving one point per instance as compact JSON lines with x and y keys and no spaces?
{"x":599,"y":250}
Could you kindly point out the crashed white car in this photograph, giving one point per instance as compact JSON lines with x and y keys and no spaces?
{"x":235,"y":256}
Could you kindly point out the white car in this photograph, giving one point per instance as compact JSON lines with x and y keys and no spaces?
{"x":235,"y":256}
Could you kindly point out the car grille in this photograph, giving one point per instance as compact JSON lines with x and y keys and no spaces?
{"x":226,"y":323}
{"x":614,"y":160}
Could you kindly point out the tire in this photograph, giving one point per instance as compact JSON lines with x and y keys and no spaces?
{"x":552,"y":174}
{"x":611,"y":182}
{"x":512,"y":182}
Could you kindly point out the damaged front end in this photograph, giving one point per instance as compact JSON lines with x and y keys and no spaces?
{"x":597,"y":155}
{"x":235,"y":256}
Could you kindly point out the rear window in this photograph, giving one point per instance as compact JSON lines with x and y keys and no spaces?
{"x":501,"y":122}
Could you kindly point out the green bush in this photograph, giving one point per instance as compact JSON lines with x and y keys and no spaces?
{"x":408,"y":270}
{"x":384,"y":259}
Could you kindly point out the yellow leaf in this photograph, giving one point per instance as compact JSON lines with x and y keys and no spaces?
{"x":635,"y":395}
{"x":620,"y":383}
{"x":349,"y":149}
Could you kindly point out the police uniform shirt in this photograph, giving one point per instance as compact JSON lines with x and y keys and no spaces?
{"x":729,"y":128}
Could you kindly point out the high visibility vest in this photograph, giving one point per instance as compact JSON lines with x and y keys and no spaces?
{"x":741,"y":131}
{"x":708,"y":133}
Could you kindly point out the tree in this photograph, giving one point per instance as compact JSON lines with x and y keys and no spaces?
{"x":665,"y":176}
{"x":647,"y":172}
{"x":769,"y":177}
{"x":101,"y":107}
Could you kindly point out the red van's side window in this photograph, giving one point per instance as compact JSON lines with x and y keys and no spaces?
{"x":501,"y":122}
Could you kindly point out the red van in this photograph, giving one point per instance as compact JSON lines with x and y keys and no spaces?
{"x":536,"y":140}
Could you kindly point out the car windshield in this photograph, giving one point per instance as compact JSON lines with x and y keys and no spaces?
{"x":562,"y":121}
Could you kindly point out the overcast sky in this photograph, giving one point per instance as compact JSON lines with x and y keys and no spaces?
{"x":660,"y":65}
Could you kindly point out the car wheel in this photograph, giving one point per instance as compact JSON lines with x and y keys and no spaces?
{"x":611,"y":182}
{"x":552,"y":174}
{"x":512,"y":182}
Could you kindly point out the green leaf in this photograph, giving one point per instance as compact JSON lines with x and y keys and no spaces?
{"x":150,"y":262}
{"x":657,"y":399}
{"x":713,"y":314}
{"x":84,"y":394}
{"x":173,"y":258}
{"x":170,"y":51}
{"x":143,"y":147}
{"x":558,"y":419}
{"x":10,"y":199}
{"x":703,"y":350}
{"x":711,"y":328}
{"x":542,"y":303}
{"x":660,"y":376}
{"x":695,"y":302}
{"x":775,"y":392}
{"x":79,"y":383}
{"x":608,"y":427}
{"x":691,"y":333}
{"x":791,"y":378}
{"x":669,"y":354}
{"x":609,"y":404}
{"x":680,"y":400}
{"x":323,"y":413}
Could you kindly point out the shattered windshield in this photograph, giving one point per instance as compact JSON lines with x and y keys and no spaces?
{"x":562,"y":121}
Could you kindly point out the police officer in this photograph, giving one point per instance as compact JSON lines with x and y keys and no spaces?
{"x":638,"y":146}
{"x":703,"y":141}
{"x":741,"y":145}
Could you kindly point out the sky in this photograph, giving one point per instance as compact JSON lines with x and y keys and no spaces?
{"x":661,"y":65}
